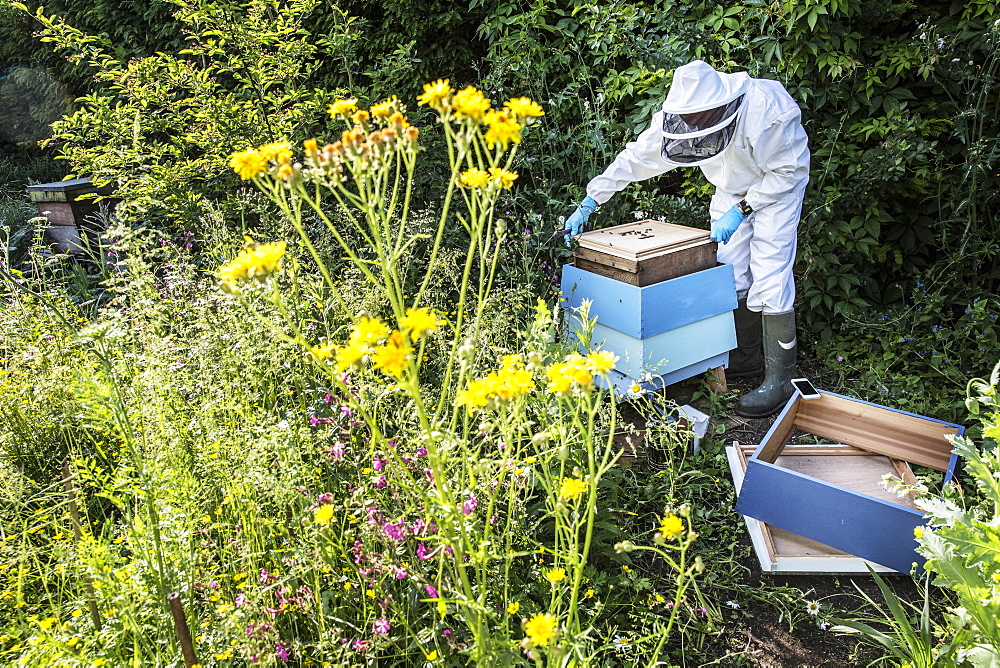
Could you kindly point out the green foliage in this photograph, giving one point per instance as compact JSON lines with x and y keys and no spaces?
{"x":962,"y":542}
{"x":598,"y":71}
{"x":910,"y":636}
{"x":161,"y":128}
{"x":900,"y":102}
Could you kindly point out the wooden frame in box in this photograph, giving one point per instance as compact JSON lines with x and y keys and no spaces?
{"x":860,"y":524}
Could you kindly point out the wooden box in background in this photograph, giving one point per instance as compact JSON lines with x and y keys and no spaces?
{"x":645,"y":252}
{"x":71,"y":215}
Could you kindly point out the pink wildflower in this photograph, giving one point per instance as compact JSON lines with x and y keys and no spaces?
{"x":381,"y":626}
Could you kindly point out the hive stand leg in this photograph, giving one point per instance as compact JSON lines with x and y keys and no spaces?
{"x":717,"y":380}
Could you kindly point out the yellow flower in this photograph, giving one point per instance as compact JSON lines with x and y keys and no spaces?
{"x":256,"y":261}
{"x":503,"y":129}
{"x":343,"y":107}
{"x":47,"y":623}
{"x":418,"y":321}
{"x":556,"y":575}
{"x":502,"y":177}
{"x":311,"y":147}
{"x":394,"y":357}
{"x":918,"y":532}
{"x":360,"y":117}
{"x":671,"y":525}
{"x":322,"y":351}
{"x":347,"y":356}
{"x":471,"y":104}
{"x":432,"y":656}
{"x":475,"y":178}
{"x":572,"y":488}
{"x":279,"y":151}
{"x":248,"y":164}
{"x":590,"y":593}
{"x":512,"y":608}
{"x":512,"y":380}
{"x":563,"y":376}
{"x":323,"y":515}
{"x":436,"y":94}
{"x":399,"y":123}
{"x":368,"y":331}
{"x":385,"y":108}
{"x":540,"y":629}
{"x":523,"y":107}
{"x":602,"y":361}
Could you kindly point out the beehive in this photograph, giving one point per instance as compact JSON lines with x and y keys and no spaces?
{"x":645,"y":252}
{"x":71,"y":215}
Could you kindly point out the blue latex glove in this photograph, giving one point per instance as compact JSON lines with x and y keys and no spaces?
{"x":574,"y":224}
{"x":724,"y":228}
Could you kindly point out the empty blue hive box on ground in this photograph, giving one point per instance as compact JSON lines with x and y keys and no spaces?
{"x":806,"y":502}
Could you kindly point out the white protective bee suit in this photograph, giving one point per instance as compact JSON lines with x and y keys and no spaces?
{"x":761,"y":156}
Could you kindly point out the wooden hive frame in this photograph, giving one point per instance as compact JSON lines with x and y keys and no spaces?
{"x":858,"y":523}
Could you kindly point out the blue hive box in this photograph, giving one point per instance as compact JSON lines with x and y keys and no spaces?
{"x":840,"y":513}
{"x":662,"y":333}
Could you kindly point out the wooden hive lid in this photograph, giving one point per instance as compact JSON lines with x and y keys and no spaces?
{"x":643,"y":239}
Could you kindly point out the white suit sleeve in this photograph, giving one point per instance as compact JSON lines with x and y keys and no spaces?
{"x":639,"y":161}
{"x":782,"y":153}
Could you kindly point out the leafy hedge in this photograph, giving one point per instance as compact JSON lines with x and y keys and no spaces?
{"x":899,"y":99}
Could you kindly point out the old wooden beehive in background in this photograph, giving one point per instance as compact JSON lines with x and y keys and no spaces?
{"x":71,"y":213}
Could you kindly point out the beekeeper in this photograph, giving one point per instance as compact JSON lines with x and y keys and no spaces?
{"x":746,"y":135}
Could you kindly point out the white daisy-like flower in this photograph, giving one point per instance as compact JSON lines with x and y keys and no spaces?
{"x":812,"y":607}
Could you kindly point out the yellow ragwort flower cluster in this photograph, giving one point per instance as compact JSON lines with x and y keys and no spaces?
{"x":255,"y":262}
{"x":510,"y":381}
{"x":389,"y":351}
{"x":470,"y":107}
{"x":274,"y":159}
{"x":374,"y":134}
{"x":481,"y":178}
{"x":579,"y":371}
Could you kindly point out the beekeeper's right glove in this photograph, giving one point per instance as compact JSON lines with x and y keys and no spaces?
{"x":725,"y":226}
{"x":574,"y":224}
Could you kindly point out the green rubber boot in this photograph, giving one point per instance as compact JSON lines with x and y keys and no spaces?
{"x":745,"y":360}
{"x":779,"y":363}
